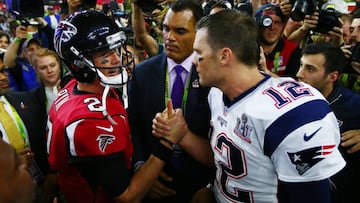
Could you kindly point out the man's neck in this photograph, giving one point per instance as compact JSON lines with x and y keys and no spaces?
{"x":94,"y":87}
{"x":240,"y":81}
{"x":268,"y":48}
{"x":328,"y":90}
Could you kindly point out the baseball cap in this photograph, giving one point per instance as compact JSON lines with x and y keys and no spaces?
{"x":50,"y":8}
{"x":27,"y":42}
{"x":268,"y":9}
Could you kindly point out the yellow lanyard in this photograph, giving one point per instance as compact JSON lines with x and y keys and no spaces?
{"x":276,"y":62}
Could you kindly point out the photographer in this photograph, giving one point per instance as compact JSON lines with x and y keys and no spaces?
{"x":282,"y":55}
{"x":17,"y":58}
{"x":302,"y":33}
{"x":30,"y":36}
{"x":150,"y":44}
{"x":317,"y":25}
{"x":351,"y":76}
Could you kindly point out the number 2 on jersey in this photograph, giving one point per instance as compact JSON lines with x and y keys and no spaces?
{"x":235,"y":169}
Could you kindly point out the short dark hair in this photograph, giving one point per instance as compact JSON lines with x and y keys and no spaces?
{"x":235,"y":30}
{"x":334,"y":57}
{"x":181,"y":5}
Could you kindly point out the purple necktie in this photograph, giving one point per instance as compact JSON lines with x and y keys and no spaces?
{"x":178,"y":88}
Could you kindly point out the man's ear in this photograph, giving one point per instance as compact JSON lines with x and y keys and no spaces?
{"x":333,"y":76}
{"x":225,"y":55}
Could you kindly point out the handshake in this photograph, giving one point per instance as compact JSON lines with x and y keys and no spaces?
{"x":170,"y":126}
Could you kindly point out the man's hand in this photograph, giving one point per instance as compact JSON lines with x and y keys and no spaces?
{"x":27,"y":156}
{"x":356,"y":66}
{"x":310,"y":21}
{"x":170,"y":124}
{"x":351,"y":139}
{"x":204,"y":195}
{"x":21,"y":32}
{"x":160,"y":125}
{"x":285,"y":7}
{"x":159,"y":190}
{"x":336,"y":36}
{"x":346,"y":50}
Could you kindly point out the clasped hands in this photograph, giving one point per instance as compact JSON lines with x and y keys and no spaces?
{"x":170,"y":124}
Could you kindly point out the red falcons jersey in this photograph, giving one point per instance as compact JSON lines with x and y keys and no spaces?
{"x":78,"y":131}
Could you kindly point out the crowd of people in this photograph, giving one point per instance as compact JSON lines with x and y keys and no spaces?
{"x":180,"y":101}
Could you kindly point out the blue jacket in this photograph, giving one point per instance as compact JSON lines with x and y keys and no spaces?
{"x":146,"y":98}
{"x":23,"y":76}
{"x":346,"y":105}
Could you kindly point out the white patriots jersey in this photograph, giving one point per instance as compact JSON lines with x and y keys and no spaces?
{"x":279,"y":130}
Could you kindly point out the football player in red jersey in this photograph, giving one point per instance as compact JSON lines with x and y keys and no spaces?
{"x":88,"y":137}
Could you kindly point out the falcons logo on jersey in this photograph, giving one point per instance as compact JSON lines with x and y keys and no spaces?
{"x":104,"y":140}
{"x":305,"y":159}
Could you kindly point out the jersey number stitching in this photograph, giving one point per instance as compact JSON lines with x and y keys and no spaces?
{"x":294,"y":90}
{"x":234,"y":169}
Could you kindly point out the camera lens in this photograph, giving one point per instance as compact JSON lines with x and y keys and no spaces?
{"x":266,"y":21}
{"x":299,"y":10}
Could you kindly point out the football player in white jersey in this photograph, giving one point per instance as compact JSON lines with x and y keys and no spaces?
{"x":273,"y":139}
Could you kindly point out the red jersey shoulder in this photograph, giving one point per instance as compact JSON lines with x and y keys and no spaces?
{"x":98,"y":137}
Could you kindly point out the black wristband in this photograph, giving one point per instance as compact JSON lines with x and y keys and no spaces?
{"x":162,"y":152}
{"x":168,"y":143}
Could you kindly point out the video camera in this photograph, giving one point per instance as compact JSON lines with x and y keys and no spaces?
{"x":23,"y":20}
{"x":301,"y":8}
{"x":328,"y":16}
{"x":245,"y":6}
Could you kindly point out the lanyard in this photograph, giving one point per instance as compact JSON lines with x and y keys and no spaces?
{"x":276,"y":62}
{"x":167,"y":89}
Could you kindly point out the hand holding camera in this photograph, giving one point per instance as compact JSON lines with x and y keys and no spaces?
{"x":328,"y":17}
{"x":285,"y":7}
{"x":21,"y":32}
{"x":310,"y":21}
